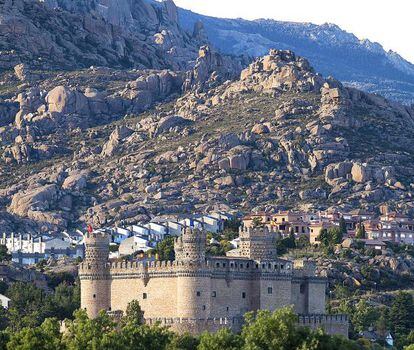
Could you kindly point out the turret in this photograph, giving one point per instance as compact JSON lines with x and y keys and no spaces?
{"x":191,"y":246}
{"x":258,"y":243}
{"x":193,"y":279}
{"x":94,"y":274}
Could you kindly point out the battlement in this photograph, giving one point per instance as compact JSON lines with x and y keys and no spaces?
{"x":96,"y":237}
{"x":257,"y":243}
{"x":198,"y":325}
{"x":332,"y":324}
{"x":304,"y":268}
{"x":191,"y":245}
{"x":259,"y":231}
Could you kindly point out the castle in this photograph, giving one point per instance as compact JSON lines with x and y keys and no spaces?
{"x":195,"y":293}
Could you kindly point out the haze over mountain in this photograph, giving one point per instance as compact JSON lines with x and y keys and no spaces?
{"x":331,"y":50}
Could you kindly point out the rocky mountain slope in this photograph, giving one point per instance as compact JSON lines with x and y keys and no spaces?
{"x":62,"y":34}
{"x":332,"y":51}
{"x":102,"y":145}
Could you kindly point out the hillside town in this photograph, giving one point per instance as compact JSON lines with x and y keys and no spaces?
{"x":378,"y":230}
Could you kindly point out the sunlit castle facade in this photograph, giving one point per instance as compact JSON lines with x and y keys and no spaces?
{"x":195,"y":293}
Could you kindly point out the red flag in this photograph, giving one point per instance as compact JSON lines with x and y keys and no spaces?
{"x":90,"y":229}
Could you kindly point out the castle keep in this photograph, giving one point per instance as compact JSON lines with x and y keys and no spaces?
{"x":196,"y":293}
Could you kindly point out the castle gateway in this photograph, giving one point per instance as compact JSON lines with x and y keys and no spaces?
{"x":195,"y":293}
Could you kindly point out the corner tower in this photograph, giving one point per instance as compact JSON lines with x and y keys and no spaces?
{"x":258,"y":243}
{"x":94,"y":274}
{"x":191,"y":246}
{"x":193,"y":275}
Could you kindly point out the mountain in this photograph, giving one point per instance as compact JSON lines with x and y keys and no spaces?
{"x":331,"y":50}
{"x":64,"y":34}
{"x":104,"y":145}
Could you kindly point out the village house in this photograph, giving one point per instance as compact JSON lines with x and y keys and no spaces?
{"x":133,"y":245}
{"x":29,"y":249}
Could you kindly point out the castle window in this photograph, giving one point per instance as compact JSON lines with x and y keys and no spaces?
{"x":204,"y":307}
{"x":198,"y":293}
{"x":270,"y":266}
{"x":241,"y":266}
{"x":144,"y":296}
{"x":224,"y":264}
{"x":302,"y":288}
{"x":217,"y":264}
{"x":244,"y":295}
{"x":227,"y":308}
{"x":231,"y":264}
{"x":282,"y":266}
{"x":247,"y":265}
{"x":214,"y":294}
{"x":94,"y":296}
{"x":269,"y":290}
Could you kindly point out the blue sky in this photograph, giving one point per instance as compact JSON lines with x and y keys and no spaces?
{"x":388,"y":22}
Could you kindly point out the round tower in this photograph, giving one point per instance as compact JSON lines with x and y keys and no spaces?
{"x":94,"y":274}
{"x":193,"y":275}
{"x":191,"y":246}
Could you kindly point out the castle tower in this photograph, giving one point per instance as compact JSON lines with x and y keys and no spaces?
{"x":258,"y":243}
{"x":94,"y":274}
{"x":191,"y":246}
{"x":193,"y":275}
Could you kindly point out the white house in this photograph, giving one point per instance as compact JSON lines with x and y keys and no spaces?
{"x":157,"y":230}
{"x":193,"y":223}
{"x":4,"y":301}
{"x":212,"y":224}
{"x":120,"y":234}
{"x":174,"y":228}
{"x":140,"y":230}
{"x":221,"y":216}
{"x":133,"y":244}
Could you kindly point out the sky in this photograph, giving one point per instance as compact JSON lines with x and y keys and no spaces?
{"x":389,"y":22}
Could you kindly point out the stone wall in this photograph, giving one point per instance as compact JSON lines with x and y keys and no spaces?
{"x":332,"y":324}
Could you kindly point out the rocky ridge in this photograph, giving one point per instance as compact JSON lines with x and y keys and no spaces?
{"x":60,"y":34}
{"x":111,"y":146}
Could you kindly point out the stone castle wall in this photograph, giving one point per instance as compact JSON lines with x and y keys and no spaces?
{"x":196,"y":294}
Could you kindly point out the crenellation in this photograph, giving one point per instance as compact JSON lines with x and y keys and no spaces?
{"x":196,"y":293}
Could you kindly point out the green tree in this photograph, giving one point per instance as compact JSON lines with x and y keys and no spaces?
{"x":63,"y":302}
{"x":364,"y":316}
{"x":134,"y":314}
{"x":90,"y":334}
{"x":382,"y":324}
{"x":402,"y":314}
{"x":266,"y":330}
{"x":45,"y":337}
{"x":360,"y":232}
{"x":302,"y":242}
{"x":182,"y":342}
{"x":324,"y":237}
{"x":165,"y":249}
{"x":142,"y":337}
{"x":223,"y":339}
{"x":342,"y":226}
{"x":257,"y":222}
{"x":231,"y":229}
{"x":335,"y":235}
{"x":4,"y":253}
{"x":27,"y":306}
